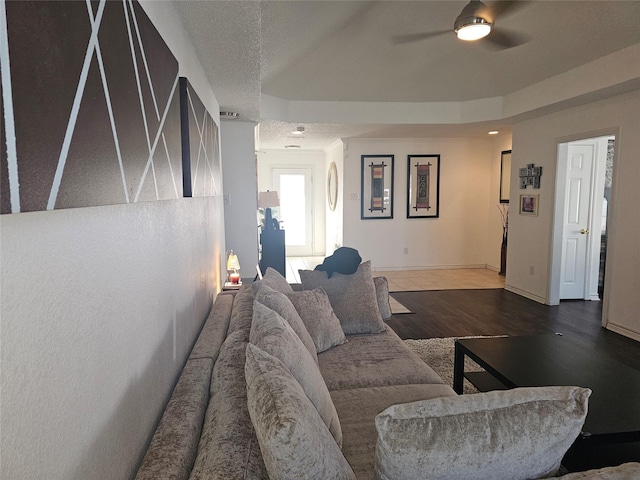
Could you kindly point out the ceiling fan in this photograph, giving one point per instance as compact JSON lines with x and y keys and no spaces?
{"x":477,"y":21}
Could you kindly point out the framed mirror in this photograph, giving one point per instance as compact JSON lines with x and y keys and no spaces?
{"x":505,"y":176}
{"x":332,"y":186}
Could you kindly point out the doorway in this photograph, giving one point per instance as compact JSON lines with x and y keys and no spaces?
{"x":583,"y":190}
{"x":295,"y":188}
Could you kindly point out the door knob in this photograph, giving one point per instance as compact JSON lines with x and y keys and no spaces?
{"x":584,"y":231}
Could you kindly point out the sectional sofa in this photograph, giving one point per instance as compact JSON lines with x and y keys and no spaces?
{"x":309,"y":382}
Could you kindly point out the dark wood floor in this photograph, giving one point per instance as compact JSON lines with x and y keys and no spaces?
{"x":459,"y":313}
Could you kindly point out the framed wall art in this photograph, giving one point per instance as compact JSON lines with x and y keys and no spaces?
{"x":505,"y":176}
{"x":423,"y":186}
{"x":376,"y":195}
{"x":529,"y":205}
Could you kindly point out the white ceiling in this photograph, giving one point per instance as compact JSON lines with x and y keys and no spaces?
{"x":309,"y":56}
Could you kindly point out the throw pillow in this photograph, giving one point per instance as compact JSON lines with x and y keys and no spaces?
{"x":353,"y":298}
{"x":274,"y":279}
{"x":280,"y":303}
{"x":271,"y":333}
{"x":318,"y":317}
{"x":517,"y":434}
{"x":294,"y":441}
{"x":382,"y":294}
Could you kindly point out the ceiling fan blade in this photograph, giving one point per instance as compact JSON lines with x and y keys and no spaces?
{"x":416,"y":37}
{"x":504,"y":8}
{"x":501,"y":39}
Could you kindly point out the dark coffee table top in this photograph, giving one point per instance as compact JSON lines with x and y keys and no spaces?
{"x":545,"y":360}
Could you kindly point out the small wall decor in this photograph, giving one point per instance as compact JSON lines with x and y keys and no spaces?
{"x":332,"y":186}
{"x":423,"y":186}
{"x":529,"y":205}
{"x":505,"y":176}
{"x":530,"y":176}
{"x":376,"y":199}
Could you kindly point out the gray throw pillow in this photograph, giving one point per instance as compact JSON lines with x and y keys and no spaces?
{"x":353,"y":298}
{"x":280,"y":303}
{"x":517,"y":434}
{"x":274,"y":279}
{"x":321,"y":322}
{"x":293,"y":439}
{"x":274,"y":335}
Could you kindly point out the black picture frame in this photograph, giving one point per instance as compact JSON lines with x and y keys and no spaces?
{"x":423,"y":186}
{"x":505,"y":176}
{"x":376,"y":187}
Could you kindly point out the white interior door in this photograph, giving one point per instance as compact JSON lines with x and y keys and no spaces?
{"x":576,"y":223}
{"x":295,"y":189}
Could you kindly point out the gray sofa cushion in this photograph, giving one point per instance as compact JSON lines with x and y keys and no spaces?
{"x":357,"y":409}
{"x":382,"y":295}
{"x":294,"y":441}
{"x":175,"y":443}
{"x":373,"y":361}
{"x":279,"y":302}
{"x":626,"y":471}
{"x":319,"y":319}
{"x":271,"y":333}
{"x":517,"y":434}
{"x":273,"y":279}
{"x":353,"y":298}
{"x":242,"y":311}
{"x":215,"y":329}
{"x":228,"y":446}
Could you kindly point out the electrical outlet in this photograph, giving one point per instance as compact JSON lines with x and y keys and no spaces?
{"x":406,"y":250}
{"x":355,"y":196}
{"x":531,"y":270}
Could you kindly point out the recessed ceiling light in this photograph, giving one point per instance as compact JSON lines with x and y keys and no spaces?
{"x":292,"y":146}
{"x":494,"y":132}
{"x":229,"y":115}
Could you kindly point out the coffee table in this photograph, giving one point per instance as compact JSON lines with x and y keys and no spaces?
{"x":544,"y":360}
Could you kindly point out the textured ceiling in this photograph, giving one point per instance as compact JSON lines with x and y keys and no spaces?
{"x":344,"y":51}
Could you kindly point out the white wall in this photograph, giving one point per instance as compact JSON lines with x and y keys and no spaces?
{"x":314,"y":159}
{"x":536,"y":141}
{"x":457,"y":239}
{"x":240,"y":174}
{"x":334,"y":219}
{"x":100,"y":307}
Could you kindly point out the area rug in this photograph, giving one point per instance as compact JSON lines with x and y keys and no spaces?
{"x":438,"y":354}
{"x":397,"y":307}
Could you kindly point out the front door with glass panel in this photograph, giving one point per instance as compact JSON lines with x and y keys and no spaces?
{"x":294,"y":187}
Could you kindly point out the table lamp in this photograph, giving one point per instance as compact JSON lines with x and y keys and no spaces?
{"x":267,"y":200}
{"x":233,"y":268}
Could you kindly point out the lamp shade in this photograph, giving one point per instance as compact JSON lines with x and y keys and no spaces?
{"x":268,"y":199}
{"x":232,"y":262}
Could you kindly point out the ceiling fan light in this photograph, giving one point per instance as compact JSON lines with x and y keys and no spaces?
{"x":473,"y":31}
{"x":474,"y":22}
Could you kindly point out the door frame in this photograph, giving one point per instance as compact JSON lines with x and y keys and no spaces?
{"x":558,"y":215}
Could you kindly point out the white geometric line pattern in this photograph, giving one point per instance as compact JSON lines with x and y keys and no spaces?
{"x":73,"y":117}
{"x":118,"y":99}
{"x":155,"y":142}
{"x":7,"y":98}
{"x":206,"y":126}
{"x":105,"y":86}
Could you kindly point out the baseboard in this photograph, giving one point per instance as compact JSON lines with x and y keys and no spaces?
{"x":523,"y":293}
{"x":623,"y":331}
{"x":434,"y":267}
